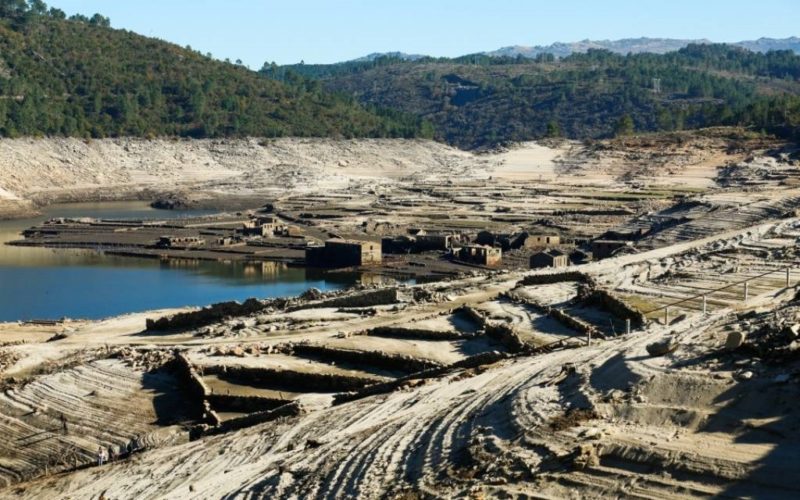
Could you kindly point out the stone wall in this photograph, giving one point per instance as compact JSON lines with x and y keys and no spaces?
{"x":368,"y":298}
{"x":558,"y":277}
{"x":481,"y":359}
{"x":197,"y":389}
{"x":397,"y":332}
{"x":291,"y":409}
{"x":560,"y":316}
{"x":205,"y":316}
{"x":617,"y":306}
{"x":380,"y":359}
{"x":505,"y":334}
{"x":243,"y":404}
{"x":294,"y":381}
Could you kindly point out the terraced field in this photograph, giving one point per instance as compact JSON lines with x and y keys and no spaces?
{"x":59,"y":421}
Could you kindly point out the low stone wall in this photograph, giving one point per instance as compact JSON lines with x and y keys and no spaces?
{"x":197,"y":389}
{"x":291,"y":409}
{"x":205,"y":316}
{"x":404,"y":363}
{"x":560,"y":316}
{"x":506,"y":335}
{"x":243,"y":404}
{"x":617,"y":306}
{"x":473,"y":314}
{"x":368,"y":298}
{"x":396,"y":332}
{"x":294,"y":381}
{"x":574,"y":323}
{"x":557,"y":277}
{"x":481,"y":359}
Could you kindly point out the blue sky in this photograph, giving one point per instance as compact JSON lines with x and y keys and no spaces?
{"x":324,"y":31}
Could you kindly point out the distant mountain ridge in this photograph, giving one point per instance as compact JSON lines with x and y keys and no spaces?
{"x":622,"y":46}
{"x":395,"y":55}
{"x":640,"y":45}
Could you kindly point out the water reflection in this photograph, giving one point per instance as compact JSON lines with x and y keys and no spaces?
{"x":49,"y":283}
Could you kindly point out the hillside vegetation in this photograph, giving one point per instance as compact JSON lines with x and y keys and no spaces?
{"x":79,"y":77}
{"x":478,"y":100}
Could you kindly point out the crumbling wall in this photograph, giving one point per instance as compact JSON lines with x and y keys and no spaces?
{"x":292,"y":380}
{"x":197,"y":389}
{"x":616,"y":306}
{"x":505,"y":334}
{"x":416,"y":333}
{"x":545,"y":279}
{"x":573,"y":322}
{"x":243,"y":404}
{"x":473,"y":314}
{"x":484,"y":358}
{"x":291,"y":409}
{"x":560,"y":316}
{"x":189,"y":376}
{"x":368,"y":298}
{"x":375,"y":358}
{"x":205,"y":316}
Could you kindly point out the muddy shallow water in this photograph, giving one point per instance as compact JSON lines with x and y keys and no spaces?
{"x":43,"y":283}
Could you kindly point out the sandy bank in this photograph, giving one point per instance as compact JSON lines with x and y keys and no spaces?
{"x":41,"y":171}
{"x":34,"y":172}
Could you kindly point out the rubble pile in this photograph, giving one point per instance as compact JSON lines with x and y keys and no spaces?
{"x":147,"y":360}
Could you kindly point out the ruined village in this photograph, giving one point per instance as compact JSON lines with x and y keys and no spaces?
{"x":617,"y":319}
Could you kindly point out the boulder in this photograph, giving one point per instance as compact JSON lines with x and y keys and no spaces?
{"x":662,"y":347}
{"x":735,"y":340}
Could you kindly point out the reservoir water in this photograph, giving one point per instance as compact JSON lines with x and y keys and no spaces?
{"x":43,"y":283}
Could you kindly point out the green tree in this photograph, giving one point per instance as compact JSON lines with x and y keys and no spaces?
{"x":553,"y":129}
{"x":37,"y":7}
{"x":99,"y":20}
{"x":624,"y":126}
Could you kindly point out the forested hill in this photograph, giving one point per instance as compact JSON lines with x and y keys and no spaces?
{"x":79,"y":77}
{"x":478,"y":100}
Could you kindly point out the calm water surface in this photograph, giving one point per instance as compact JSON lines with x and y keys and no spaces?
{"x":42,"y":283}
